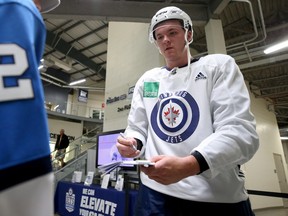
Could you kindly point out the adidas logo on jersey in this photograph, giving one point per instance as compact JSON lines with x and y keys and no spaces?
{"x":200,"y":76}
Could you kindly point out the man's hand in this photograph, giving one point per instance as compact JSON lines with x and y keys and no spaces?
{"x":170,"y":169}
{"x":125,"y":147}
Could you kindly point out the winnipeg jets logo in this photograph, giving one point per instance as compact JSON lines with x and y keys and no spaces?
{"x":171,"y":114}
{"x":175,"y":116}
{"x":70,"y":200}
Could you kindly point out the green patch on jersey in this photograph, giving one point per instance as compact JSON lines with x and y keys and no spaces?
{"x":151,"y":89}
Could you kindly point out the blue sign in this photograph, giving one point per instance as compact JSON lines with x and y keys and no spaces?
{"x":81,"y":200}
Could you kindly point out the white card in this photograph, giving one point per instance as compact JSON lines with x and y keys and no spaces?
{"x":77,"y":176}
{"x":89,"y":178}
{"x":105,"y":181}
{"x":119,"y":183}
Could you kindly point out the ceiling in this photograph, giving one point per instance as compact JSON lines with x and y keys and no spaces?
{"x":77,"y":38}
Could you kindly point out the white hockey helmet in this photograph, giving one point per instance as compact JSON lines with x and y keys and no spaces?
{"x":168,"y":13}
{"x":48,"y":5}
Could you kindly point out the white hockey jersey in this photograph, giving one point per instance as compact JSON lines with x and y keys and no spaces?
{"x":205,"y":108}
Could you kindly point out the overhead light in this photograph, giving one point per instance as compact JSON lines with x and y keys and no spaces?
{"x":284,"y":138}
{"x":41,"y":66}
{"x":77,"y":82}
{"x":276,"y":47}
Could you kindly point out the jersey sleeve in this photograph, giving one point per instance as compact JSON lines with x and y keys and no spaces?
{"x":235,"y":140}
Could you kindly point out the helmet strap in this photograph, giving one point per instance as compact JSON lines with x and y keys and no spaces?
{"x":155,"y":43}
{"x":187,"y":43}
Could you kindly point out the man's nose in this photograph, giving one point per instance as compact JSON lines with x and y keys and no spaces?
{"x":166,"y":39}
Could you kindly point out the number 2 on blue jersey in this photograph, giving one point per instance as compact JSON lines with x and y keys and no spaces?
{"x":24,"y":89}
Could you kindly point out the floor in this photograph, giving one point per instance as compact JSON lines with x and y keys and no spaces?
{"x":272,"y":212}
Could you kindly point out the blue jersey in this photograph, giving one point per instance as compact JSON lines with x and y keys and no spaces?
{"x":23,"y":120}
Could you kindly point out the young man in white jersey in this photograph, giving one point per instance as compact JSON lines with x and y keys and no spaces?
{"x":192,"y":118}
{"x":27,"y":180}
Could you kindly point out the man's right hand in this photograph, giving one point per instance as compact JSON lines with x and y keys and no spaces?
{"x":125,"y":147}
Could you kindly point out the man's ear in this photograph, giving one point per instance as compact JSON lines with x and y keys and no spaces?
{"x":189,"y":36}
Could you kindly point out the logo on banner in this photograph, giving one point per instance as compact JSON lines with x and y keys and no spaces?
{"x":70,"y":200}
{"x":175,"y":116}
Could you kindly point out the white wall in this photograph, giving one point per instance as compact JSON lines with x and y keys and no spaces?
{"x":260,"y":173}
{"x":71,"y":128}
{"x":95,"y":100}
{"x":285,"y":149}
{"x":130,"y":54}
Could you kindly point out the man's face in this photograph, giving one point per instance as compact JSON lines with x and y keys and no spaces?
{"x":38,"y":4}
{"x":61,"y":132}
{"x":170,"y":38}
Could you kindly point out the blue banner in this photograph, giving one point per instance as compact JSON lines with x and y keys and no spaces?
{"x":78,"y":199}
